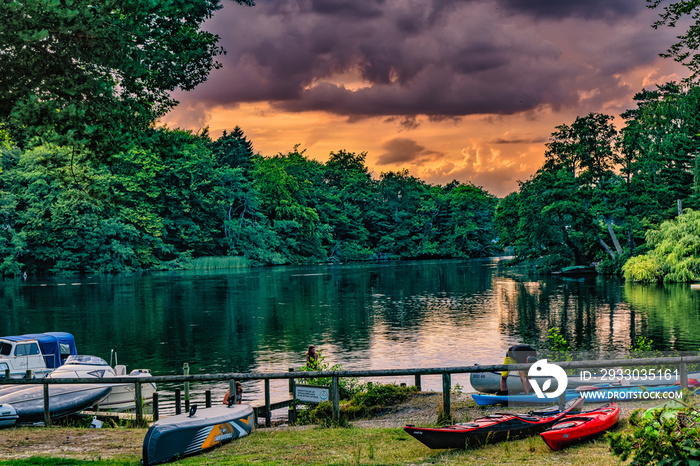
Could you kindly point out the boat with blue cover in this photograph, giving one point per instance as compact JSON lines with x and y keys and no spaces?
{"x":490,"y":382}
{"x":39,"y":353}
{"x":600,"y":394}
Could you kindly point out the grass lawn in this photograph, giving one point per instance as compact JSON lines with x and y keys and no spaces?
{"x":345,"y":446}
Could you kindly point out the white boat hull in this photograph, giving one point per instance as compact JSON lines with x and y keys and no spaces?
{"x":8,"y":415}
{"x":123,"y":395}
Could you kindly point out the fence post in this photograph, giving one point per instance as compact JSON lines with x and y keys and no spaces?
{"x":268,"y":411}
{"x":47,"y":411}
{"x":684,"y":375}
{"x":207,"y":398}
{"x":178,"y":405}
{"x":155,"y":407}
{"x":417,"y":384}
{"x":292,"y":382}
{"x":186,"y":371}
{"x":335,"y":387}
{"x":139,"y":403}
{"x":446,"y":388}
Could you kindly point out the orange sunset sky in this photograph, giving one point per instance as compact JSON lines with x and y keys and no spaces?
{"x":450,"y":89}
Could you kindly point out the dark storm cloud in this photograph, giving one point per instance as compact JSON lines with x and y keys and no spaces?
{"x":588,"y":9}
{"x":404,"y":150}
{"x":438,"y":58}
{"x":352,"y":8}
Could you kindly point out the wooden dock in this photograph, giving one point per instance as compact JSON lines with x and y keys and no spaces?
{"x":260,"y":408}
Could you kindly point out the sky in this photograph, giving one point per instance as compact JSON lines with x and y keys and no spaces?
{"x":466,"y":90}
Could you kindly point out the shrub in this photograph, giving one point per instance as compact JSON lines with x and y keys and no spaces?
{"x":674,"y":254}
{"x":346,"y":386}
{"x":645,"y":269}
{"x":660,"y":438}
{"x":368,"y":400}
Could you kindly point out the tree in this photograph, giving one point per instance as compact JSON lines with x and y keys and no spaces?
{"x":674,"y":254}
{"x":399,"y":226}
{"x":83,"y":72}
{"x":349,"y":191}
{"x":234,"y":150}
{"x":661,"y":145}
{"x":286,"y":188}
{"x":60,"y":226}
{"x":683,"y":51}
{"x":471,"y":230}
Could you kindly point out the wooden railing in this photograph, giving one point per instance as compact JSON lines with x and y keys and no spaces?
{"x":446,"y":372}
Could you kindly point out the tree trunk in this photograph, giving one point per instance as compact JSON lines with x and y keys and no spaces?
{"x":630,"y":240}
{"x":615,"y":241}
{"x":610,"y":252}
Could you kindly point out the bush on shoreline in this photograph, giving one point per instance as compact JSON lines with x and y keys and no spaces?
{"x":368,"y":400}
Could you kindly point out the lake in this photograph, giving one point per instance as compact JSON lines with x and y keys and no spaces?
{"x":363,"y":316}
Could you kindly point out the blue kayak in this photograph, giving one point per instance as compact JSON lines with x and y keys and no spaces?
{"x":599,"y":394}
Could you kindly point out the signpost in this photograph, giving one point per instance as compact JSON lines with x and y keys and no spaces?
{"x":313,"y":394}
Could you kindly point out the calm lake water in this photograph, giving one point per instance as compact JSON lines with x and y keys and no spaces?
{"x":363,"y":316}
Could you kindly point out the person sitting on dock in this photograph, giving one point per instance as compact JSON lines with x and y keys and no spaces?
{"x":238,"y":399}
{"x":518,"y":354}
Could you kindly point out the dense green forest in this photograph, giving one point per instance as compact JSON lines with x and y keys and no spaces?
{"x":90,"y":183}
{"x":179,"y":196}
{"x":600,"y":190}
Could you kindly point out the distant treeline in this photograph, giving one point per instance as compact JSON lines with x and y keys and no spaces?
{"x":175,"y":196}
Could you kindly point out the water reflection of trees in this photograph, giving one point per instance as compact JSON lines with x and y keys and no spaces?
{"x":225,"y":321}
{"x":600,"y":314}
{"x":589,"y":312}
{"x":670,"y":314}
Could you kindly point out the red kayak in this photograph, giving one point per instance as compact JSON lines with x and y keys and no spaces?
{"x":492,"y":428}
{"x":580,"y":426}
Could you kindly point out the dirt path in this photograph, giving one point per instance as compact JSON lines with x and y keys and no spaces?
{"x":69,"y":442}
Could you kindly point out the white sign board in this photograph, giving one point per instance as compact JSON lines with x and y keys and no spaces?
{"x":311,"y":393}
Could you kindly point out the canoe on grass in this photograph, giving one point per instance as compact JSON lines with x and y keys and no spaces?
{"x":64,"y":400}
{"x":191,"y":433}
{"x":580,"y":426}
{"x":618,"y":393}
{"x":492,"y":428}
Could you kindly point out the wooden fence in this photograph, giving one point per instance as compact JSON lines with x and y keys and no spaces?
{"x":680,"y":362}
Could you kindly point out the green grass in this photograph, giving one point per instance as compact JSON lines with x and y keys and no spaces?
{"x":361,"y":446}
{"x":218,"y":263}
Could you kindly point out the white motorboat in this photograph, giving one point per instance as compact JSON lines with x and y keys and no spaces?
{"x":122,"y":396}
